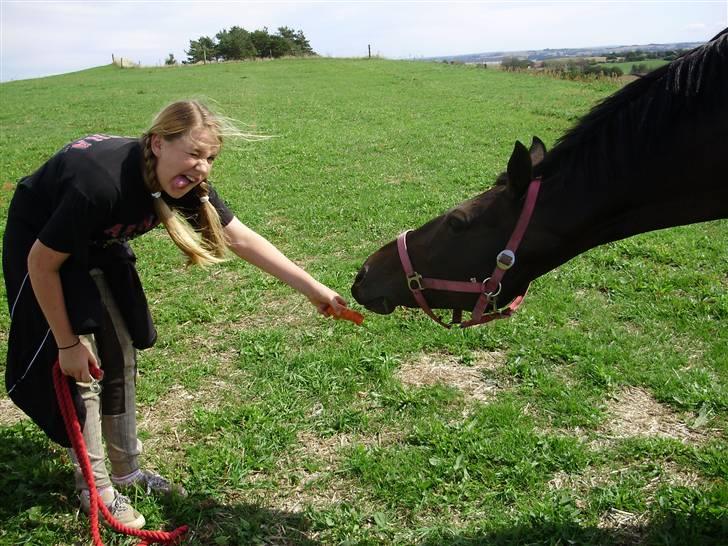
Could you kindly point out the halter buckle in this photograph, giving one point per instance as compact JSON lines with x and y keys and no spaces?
{"x":414,"y":282}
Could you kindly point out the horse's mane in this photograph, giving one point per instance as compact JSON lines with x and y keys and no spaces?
{"x":633,"y":121}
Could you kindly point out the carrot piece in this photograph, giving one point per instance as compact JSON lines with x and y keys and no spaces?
{"x":347,"y":314}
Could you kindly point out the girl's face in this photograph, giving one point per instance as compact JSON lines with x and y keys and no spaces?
{"x":184,"y":162}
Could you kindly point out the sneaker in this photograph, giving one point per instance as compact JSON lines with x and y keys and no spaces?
{"x":150,"y":481}
{"x":119,"y":506}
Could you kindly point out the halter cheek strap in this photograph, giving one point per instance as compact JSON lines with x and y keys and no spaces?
{"x":488,"y":289}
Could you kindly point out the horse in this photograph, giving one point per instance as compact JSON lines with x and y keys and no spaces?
{"x":653,"y":155}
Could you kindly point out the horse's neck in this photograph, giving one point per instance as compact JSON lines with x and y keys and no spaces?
{"x":620,"y":215}
{"x":583,"y":231}
{"x":663,"y":211}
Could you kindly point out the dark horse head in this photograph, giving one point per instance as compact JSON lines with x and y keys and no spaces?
{"x":651,"y":156}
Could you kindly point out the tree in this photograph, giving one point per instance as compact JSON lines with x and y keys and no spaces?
{"x":514,"y":63}
{"x":639,"y":69}
{"x":203,"y":49}
{"x":304,"y":48}
{"x":296,"y":42}
{"x":279,"y":46}
{"x":262,"y":42}
{"x":169,"y":61}
{"x":613,"y":71}
{"x":235,"y":44}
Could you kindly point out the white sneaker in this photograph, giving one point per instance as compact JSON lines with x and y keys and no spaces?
{"x":119,"y":506}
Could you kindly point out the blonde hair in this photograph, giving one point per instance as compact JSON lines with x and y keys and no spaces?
{"x":174,"y":121}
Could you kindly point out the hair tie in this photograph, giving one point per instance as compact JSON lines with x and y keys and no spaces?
{"x":205,"y":199}
{"x":156,"y":194}
{"x":78,"y":340}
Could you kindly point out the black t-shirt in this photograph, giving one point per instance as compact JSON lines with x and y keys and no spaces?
{"x":87,"y":200}
{"x":92,"y":194}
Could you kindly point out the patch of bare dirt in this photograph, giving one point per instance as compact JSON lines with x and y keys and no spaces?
{"x":293,"y":486}
{"x":442,"y":369}
{"x":289,"y":310}
{"x":582,"y":482}
{"x":164,"y":420}
{"x":9,"y":413}
{"x":634,"y":412}
{"x":670,"y":473}
{"x":327,"y":449}
{"x":627,"y":528}
{"x":302,"y":488}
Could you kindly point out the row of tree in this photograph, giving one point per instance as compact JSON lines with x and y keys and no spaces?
{"x":640,"y":55}
{"x":237,"y":44}
{"x":576,"y":68}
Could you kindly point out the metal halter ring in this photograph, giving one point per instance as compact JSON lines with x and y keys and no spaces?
{"x":492,"y":294}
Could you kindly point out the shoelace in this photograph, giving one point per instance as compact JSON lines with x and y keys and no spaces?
{"x":119,"y":502}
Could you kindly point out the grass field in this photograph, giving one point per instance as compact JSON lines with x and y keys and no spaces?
{"x":597,"y":415}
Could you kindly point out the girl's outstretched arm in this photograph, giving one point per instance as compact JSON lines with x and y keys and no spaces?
{"x":260,"y":252}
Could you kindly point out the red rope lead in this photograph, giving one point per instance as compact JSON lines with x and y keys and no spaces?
{"x":73,"y":428}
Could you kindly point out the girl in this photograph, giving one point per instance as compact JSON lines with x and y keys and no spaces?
{"x":73,"y":290}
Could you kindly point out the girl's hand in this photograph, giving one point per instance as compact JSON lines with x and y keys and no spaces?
{"x":74,"y":362}
{"x":325,"y":300}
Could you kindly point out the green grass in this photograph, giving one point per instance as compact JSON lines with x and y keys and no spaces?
{"x":288,"y":428}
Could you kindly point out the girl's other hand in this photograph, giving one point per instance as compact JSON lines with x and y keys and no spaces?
{"x":74,"y":362}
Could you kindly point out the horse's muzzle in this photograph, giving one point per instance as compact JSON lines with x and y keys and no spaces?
{"x":360,"y":290}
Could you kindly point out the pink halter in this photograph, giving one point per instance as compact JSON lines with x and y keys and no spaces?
{"x":488,"y":289}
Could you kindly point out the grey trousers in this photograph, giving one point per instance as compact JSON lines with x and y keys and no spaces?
{"x":111,"y":413}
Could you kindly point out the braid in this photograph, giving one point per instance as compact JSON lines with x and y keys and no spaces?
{"x":150,"y":164}
{"x":180,"y":231}
{"x":211,"y":228}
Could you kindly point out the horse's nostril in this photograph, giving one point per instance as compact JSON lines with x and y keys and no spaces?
{"x":362,"y":273}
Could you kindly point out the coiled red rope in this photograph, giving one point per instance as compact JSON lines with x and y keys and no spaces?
{"x":65,"y":401}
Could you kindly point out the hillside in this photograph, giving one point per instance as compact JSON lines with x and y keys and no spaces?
{"x":597,"y":415}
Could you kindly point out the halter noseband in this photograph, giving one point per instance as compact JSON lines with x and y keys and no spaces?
{"x":488,"y":289}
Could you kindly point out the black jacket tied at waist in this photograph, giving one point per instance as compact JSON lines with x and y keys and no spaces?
{"x":32,"y":350}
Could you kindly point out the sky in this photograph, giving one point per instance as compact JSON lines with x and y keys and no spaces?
{"x":45,"y":37}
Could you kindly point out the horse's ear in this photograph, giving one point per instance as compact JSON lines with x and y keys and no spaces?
{"x":519,"y":170}
{"x":537,"y":151}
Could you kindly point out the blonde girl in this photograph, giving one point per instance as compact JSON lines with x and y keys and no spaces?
{"x":72,"y":286}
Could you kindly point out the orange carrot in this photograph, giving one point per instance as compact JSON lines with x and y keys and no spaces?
{"x":346,"y":314}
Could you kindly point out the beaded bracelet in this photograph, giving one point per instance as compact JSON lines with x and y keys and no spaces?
{"x":78,"y":340}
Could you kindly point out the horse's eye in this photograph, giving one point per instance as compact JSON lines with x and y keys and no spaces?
{"x":457,"y":220}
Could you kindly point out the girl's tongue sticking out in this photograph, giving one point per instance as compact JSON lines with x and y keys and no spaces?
{"x":180,"y":182}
